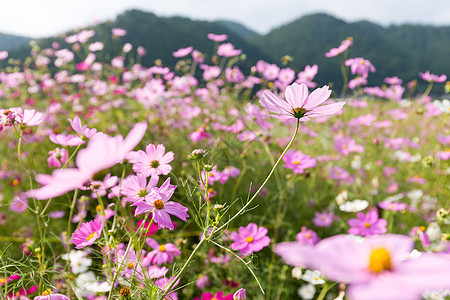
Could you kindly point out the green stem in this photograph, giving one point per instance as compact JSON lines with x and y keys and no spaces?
{"x":183,"y":268}
{"x":265,"y":181}
{"x":428,"y":90}
{"x":325,"y":290}
{"x":344,"y":74}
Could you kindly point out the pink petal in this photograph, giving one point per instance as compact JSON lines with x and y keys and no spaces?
{"x":296,"y":94}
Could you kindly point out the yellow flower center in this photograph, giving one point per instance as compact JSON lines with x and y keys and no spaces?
{"x":249,"y":239}
{"x":200,"y":276}
{"x":162,"y":248}
{"x":308,"y":235}
{"x":47,"y":292}
{"x":130,"y":265}
{"x":380,"y":260}
{"x":159,"y":204}
{"x":2,"y":280}
{"x":299,"y":112}
{"x":422,"y":228}
{"x":90,"y":236}
{"x":296,"y":162}
{"x":154,"y":164}
{"x":367,"y":225}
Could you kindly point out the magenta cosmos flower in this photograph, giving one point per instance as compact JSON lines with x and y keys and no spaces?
{"x":135,"y":187}
{"x":218,"y":296}
{"x":300,"y":105}
{"x":250,"y":239}
{"x":152,"y":162}
{"x":158,"y":202}
{"x":183,"y":52}
{"x":298,"y":161}
{"x":367,"y":224}
{"x":87,"y":234}
{"x":345,"y":44}
{"x":376,"y":268}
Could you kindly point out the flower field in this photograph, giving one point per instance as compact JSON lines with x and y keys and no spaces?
{"x":207,"y":181}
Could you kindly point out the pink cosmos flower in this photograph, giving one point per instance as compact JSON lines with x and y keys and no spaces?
{"x":227,"y":50}
{"x":182,"y":52}
{"x":307,"y":75}
{"x":152,"y":162}
{"x":202,"y":281}
{"x":3,"y":55}
{"x":162,"y":253}
{"x":359,"y":65}
{"x":392,"y":206}
{"x":250,"y":239}
{"x":52,"y":297}
{"x":158,"y":202}
{"x":323,"y":219}
{"x":376,"y":268}
{"x":307,"y":237}
{"x":357,"y":81}
{"x":199,"y":134}
{"x":239,"y":294}
{"x":218,"y":296}
{"x":346,"y":145}
{"x":118,"y":32}
{"x":66,"y":140}
{"x":345,"y":44}
{"x":367,"y":224}
{"x":83,"y":131}
{"x":87,"y":234}
{"x":101,"y":153}
{"x":427,"y":76}
{"x":298,"y":105}
{"x":30,"y":117}
{"x":393,"y":80}
{"x":217,"y":37}
{"x":57,"y":158}
{"x":135,"y":187}
{"x":19,"y":204}
{"x":444,"y":155}
{"x":298,"y":161}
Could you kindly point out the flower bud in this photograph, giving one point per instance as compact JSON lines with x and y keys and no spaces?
{"x":208,"y":168}
{"x":198,"y":153}
{"x":239,"y":294}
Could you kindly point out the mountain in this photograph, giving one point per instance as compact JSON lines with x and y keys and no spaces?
{"x":9,"y":41}
{"x":395,"y":50}
{"x":239,"y":29}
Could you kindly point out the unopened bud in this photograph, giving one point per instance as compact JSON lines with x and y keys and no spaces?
{"x":198,"y":153}
{"x":239,"y":295}
{"x":218,"y":207}
{"x":208,"y":168}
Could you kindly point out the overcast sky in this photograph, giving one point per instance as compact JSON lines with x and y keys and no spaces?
{"x":43,"y":18}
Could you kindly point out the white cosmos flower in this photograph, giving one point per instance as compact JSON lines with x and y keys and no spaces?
{"x":307,"y":292}
{"x":354,"y":206}
{"x":313,"y":277}
{"x":297,"y":273}
{"x":434,"y":232}
{"x":79,"y":263}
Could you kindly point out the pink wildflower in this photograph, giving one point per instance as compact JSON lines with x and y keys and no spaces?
{"x":345,"y":44}
{"x":158,"y":202}
{"x":182,"y":52}
{"x":298,"y":161}
{"x":19,"y":204}
{"x":57,"y":157}
{"x":359,"y":65}
{"x":135,"y":187}
{"x":227,"y":50}
{"x":367,"y":224}
{"x":218,"y":296}
{"x":375,"y":268}
{"x":87,"y":234}
{"x":392,"y":206}
{"x":346,"y":145}
{"x":52,"y":297}
{"x":101,"y":153}
{"x":202,"y":281}
{"x":323,"y":219}
{"x":298,"y":105}
{"x":307,"y":75}
{"x":152,"y":162}
{"x":162,"y":253}
{"x":307,"y":237}
{"x":118,"y":32}
{"x":427,"y":76}
{"x":250,"y":239}
{"x":217,"y":37}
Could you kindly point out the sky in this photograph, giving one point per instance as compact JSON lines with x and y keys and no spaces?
{"x":45,"y":18}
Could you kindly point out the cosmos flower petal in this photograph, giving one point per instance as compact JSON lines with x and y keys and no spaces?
{"x":296,"y":94}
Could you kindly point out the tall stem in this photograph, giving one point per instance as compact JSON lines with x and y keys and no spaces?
{"x":344,"y":74}
{"x":265,"y":181}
